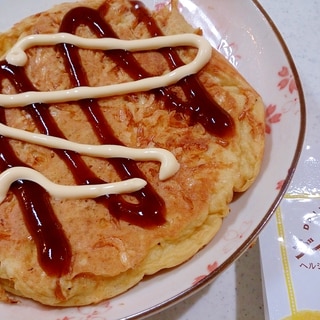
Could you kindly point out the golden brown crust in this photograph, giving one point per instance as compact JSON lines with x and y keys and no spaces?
{"x":111,"y":256}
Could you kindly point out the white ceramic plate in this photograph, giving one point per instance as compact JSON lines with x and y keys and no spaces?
{"x":243,"y":32}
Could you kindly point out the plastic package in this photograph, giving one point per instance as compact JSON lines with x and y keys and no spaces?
{"x":290,"y":259}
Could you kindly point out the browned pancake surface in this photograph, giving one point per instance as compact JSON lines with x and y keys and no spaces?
{"x":110,"y":255}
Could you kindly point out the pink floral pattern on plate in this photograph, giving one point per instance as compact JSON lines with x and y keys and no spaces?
{"x":287,"y":80}
{"x":282,"y":107}
{"x":274,"y":114}
{"x":288,"y":86}
{"x":210,"y":268}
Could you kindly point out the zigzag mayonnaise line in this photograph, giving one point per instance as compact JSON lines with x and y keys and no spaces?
{"x":169,"y":165}
{"x":66,"y":192}
{"x":18,"y":57}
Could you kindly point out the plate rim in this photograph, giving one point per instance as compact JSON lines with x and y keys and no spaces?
{"x":208,"y":279}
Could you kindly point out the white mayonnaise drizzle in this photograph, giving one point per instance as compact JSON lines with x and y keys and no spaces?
{"x":66,"y":192}
{"x":17,"y":56}
{"x":169,"y":165}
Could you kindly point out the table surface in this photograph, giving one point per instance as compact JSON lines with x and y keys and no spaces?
{"x":237,"y":293}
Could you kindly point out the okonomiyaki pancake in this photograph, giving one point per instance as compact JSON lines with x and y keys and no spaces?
{"x":65,"y":248}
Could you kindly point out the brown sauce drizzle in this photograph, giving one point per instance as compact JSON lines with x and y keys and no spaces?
{"x":54,"y":252}
{"x":200,"y":106}
{"x":53,"y":248}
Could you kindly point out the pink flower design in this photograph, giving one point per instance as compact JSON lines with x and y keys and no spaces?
{"x":271,"y":117}
{"x":287,"y":80}
{"x":279,"y":184}
{"x":160,"y":6}
{"x":210,"y":268}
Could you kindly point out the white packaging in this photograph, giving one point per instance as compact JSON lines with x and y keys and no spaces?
{"x":290,"y":258}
